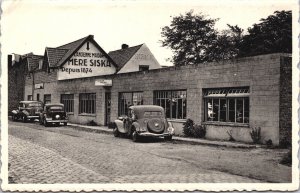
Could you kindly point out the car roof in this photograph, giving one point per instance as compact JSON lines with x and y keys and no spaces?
{"x":54,"y":104}
{"x":27,"y":102}
{"x":146,"y":108}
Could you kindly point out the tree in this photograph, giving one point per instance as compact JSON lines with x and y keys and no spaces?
{"x":227,"y":43}
{"x":191,"y":38}
{"x":272,"y":35}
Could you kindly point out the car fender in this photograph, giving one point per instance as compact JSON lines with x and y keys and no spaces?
{"x":25,"y":112}
{"x":120,"y":126}
{"x":15,"y":112}
{"x":136,"y":125}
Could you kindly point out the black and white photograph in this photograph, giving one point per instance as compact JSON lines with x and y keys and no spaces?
{"x":150,"y":95}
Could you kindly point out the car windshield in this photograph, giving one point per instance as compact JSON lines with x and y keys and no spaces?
{"x":55,"y":108}
{"x":34,"y":105}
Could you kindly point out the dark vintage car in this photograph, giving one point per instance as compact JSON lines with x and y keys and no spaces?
{"x":53,"y":114}
{"x":27,"y":110}
{"x":144,"y":120}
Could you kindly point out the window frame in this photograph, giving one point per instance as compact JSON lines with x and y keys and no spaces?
{"x":47,"y":95}
{"x":68,"y":103}
{"x":243,"y":95}
{"x":122,"y":107}
{"x":168,"y":95}
{"x":84,"y":103}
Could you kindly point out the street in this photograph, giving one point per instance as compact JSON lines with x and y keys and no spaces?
{"x":39,"y":154}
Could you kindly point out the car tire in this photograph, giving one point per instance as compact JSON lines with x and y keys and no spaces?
{"x":24,"y":119}
{"x":46,"y":124}
{"x":116,"y":131}
{"x":65,"y":124}
{"x":57,"y":124}
{"x":168,"y":138}
{"x":135,"y":136}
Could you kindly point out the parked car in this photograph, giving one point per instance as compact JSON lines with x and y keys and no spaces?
{"x":53,"y":114}
{"x":144,"y":120}
{"x":27,"y":110}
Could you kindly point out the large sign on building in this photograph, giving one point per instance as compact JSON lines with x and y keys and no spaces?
{"x":86,"y":62}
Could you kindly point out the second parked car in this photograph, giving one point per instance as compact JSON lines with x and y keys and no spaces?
{"x":53,"y":114}
{"x":27,"y":110}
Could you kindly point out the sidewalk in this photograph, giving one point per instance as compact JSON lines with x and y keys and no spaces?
{"x":104,"y":129}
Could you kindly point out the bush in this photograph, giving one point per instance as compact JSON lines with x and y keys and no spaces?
{"x":255,"y":134}
{"x":193,"y":130}
{"x":187,"y":127}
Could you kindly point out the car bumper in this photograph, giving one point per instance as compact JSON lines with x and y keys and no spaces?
{"x":148,"y":134}
{"x":57,"y":121}
{"x":33,"y":117}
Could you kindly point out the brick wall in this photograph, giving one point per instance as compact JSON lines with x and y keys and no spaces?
{"x":16,"y":78}
{"x":285,"y":109}
{"x":260,"y":73}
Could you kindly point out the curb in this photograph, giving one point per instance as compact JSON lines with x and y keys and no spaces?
{"x":192,"y":141}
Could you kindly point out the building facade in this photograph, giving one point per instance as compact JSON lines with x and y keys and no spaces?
{"x":228,"y":97}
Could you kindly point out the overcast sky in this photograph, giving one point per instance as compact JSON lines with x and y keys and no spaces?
{"x":30,"y":26}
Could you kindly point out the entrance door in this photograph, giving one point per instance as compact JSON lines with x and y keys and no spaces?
{"x":107,"y":107}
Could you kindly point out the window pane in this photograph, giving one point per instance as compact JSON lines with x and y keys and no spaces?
{"x":239,"y":110}
{"x":215,"y":109}
{"x":223,"y":110}
{"x":246,"y":110}
{"x":209,"y":110}
{"x":231,"y":116}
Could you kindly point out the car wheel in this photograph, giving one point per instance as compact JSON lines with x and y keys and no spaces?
{"x":116,"y":131}
{"x":31,"y":120}
{"x":46,"y":124}
{"x":65,"y":124}
{"x":24,"y":119}
{"x":135,"y":136}
{"x":168,"y":138}
{"x":57,"y":124}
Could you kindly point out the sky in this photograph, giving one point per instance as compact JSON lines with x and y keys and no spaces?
{"x":30,"y":26}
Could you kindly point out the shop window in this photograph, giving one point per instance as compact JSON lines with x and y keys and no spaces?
{"x":68,"y":101}
{"x":174,"y":103}
{"x":47,"y":98}
{"x":227,"y":105}
{"x":127,"y":99}
{"x":87,"y":103}
{"x":29,"y":97}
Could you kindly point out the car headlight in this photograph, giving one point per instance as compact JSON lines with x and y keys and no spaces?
{"x":170,"y":130}
{"x":57,"y":116}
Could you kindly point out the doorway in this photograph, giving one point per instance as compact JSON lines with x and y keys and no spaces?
{"x":107,"y":107}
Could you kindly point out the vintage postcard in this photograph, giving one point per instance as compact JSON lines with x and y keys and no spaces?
{"x":149,"y":95}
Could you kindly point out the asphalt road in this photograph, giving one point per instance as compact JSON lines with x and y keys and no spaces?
{"x":39,"y":154}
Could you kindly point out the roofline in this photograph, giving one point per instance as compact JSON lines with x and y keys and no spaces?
{"x":126,"y":48}
{"x":140,"y":45}
{"x":91,"y":38}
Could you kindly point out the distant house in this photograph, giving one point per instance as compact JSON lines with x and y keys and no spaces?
{"x":136,"y":58}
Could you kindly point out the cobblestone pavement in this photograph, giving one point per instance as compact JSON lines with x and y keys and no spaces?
{"x":63,"y":155}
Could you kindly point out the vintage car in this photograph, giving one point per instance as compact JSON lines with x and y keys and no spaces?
{"x":27,"y":110}
{"x":144,"y":120}
{"x":53,"y":114}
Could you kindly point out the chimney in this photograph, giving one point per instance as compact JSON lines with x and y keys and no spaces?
{"x":124,"y":46}
{"x":9,"y":60}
